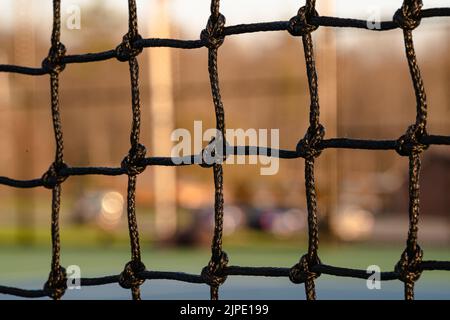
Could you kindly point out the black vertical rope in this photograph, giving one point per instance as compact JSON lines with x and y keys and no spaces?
{"x":408,"y":18}
{"x":132,"y":164}
{"x":213,"y":36}
{"x":56,"y":282}
{"x":309,"y":149}
{"x":52,"y":179}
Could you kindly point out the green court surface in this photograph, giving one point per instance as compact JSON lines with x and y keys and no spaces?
{"x":29,"y":266}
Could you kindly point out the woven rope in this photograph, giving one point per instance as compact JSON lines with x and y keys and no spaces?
{"x":414,"y":142}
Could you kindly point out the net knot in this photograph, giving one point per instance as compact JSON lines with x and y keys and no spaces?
{"x":214,"y":273}
{"x":53,"y":175}
{"x":56,"y":284}
{"x":129,"y":278}
{"x":301,"y":272}
{"x":408,"y":17}
{"x":300,"y":24}
{"x":54,"y":62}
{"x":213,"y":35}
{"x":309,"y":146}
{"x":128,"y":49}
{"x":133,"y":163}
{"x":408,"y":267}
{"x":409,"y":143}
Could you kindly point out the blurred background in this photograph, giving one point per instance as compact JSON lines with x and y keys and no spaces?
{"x":365,"y":92}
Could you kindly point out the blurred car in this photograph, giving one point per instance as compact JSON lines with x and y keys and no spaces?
{"x":281,"y":222}
{"x":353,"y":223}
{"x":201,"y":225}
{"x":101,"y":208}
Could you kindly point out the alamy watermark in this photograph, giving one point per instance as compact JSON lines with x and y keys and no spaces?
{"x":219,"y":150}
{"x":374,"y":279}
{"x":373,"y":18}
{"x":73,"y":19}
{"x":73,"y":277}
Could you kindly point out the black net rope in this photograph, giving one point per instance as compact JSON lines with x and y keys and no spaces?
{"x":415,"y":141}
